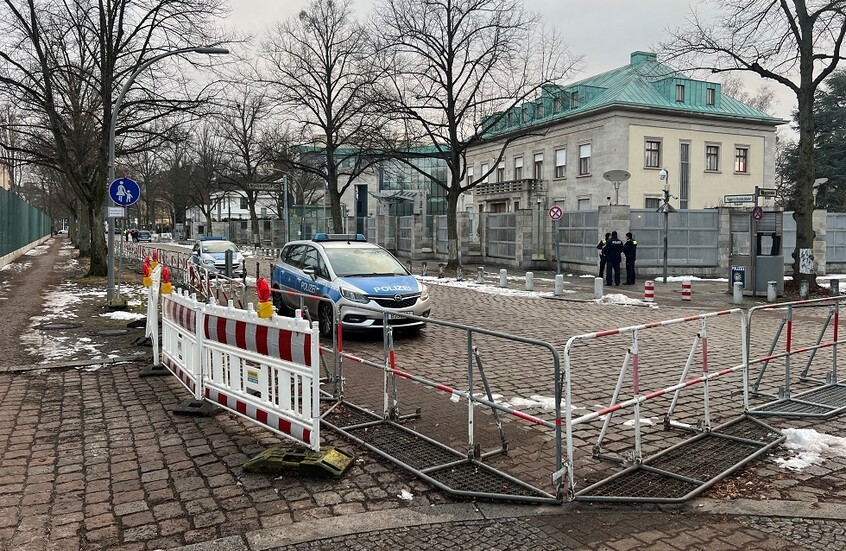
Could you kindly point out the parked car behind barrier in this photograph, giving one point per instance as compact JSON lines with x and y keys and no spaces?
{"x":144,"y":236}
{"x":351,"y":272}
{"x":210,"y":252}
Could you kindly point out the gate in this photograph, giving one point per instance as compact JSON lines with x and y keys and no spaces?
{"x":501,"y":235}
{"x":823,"y":394}
{"x":689,"y":465}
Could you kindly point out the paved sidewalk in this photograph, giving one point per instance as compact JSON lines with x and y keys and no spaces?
{"x":91,"y":457}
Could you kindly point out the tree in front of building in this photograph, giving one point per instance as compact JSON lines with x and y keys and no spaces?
{"x":795,"y":43}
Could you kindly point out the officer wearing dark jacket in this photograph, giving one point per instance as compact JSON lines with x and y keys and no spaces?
{"x":602,"y":259}
{"x":614,"y":254}
{"x":630,"y":250}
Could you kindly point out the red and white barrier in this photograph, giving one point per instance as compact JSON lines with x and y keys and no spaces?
{"x":264,"y":369}
{"x":687,"y":291}
{"x":649,"y":291}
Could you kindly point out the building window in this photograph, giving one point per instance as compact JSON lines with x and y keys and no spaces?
{"x":712,"y":158}
{"x":518,"y":168}
{"x":583,"y":204}
{"x":653,"y":154}
{"x":539,"y":111}
{"x":469,"y":175}
{"x":560,"y":163}
{"x":500,"y":171}
{"x":538,"y":166}
{"x":680,"y":92}
{"x":651,"y":203}
{"x":556,"y":105}
{"x":741,"y":159}
{"x":483,"y":172}
{"x":584,"y":159}
{"x":244,"y":205}
{"x":710,"y":96}
{"x":684,"y":175}
{"x":574,"y":100}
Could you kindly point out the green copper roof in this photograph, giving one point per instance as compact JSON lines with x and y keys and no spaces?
{"x":642,"y":84}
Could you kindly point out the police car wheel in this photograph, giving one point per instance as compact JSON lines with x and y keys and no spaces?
{"x":326,"y":322}
{"x":279,"y":304}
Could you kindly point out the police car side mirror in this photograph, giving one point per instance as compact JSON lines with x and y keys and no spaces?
{"x":310,"y":273}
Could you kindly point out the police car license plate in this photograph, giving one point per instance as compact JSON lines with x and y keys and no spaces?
{"x":398,"y":316}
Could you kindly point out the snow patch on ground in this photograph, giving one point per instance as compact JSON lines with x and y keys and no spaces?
{"x":810,"y":447}
{"x":623,"y":300}
{"x":485,"y":288}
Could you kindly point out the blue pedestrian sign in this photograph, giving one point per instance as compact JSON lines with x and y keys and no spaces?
{"x":124,"y":191}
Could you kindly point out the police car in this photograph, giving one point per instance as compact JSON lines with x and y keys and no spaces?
{"x":210,"y":252}
{"x":352,"y":273}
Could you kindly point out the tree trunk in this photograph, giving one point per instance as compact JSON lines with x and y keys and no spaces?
{"x":804,"y":190}
{"x":337,"y":214}
{"x":452,"y":227}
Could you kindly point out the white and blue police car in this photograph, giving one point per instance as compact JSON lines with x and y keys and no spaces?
{"x":353,"y":273}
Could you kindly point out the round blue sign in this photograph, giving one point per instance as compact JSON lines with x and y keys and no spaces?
{"x":124,"y":192}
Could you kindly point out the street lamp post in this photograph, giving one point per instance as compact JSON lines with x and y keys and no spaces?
{"x":665,"y":176}
{"x":110,"y":268}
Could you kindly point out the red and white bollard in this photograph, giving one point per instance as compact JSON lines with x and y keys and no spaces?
{"x":687,"y":292}
{"x":649,"y":291}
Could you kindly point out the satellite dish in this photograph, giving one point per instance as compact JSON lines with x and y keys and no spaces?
{"x":616,"y":175}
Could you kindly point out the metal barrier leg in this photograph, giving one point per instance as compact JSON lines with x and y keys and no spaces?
{"x":784,"y":392}
{"x":638,"y":455}
{"x":804,"y":375}
{"x":833,"y":379}
{"x":764,"y":365}
{"x":597,"y":448}
{"x":495,"y":412}
{"x":672,"y":409}
{"x":472,"y":451}
{"x":705,"y":396}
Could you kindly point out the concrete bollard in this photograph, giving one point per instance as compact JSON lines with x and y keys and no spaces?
{"x":834,"y":290}
{"x":503,"y":278}
{"x":649,"y":291}
{"x":687,"y":291}
{"x":804,"y":290}
{"x":597,"y":287}
{"x":459,"y":273}
{"x":737,"y":292}
{"x":530,"y":281}
{"x":480,"y":275}
{"x":410,"y":267}
{"x":772,"y":291}
{"x":424,"y":269}
{"x":440,"y":269}
{"x":559,"y":285}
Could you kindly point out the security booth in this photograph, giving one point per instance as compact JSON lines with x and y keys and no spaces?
{"x":756,"y":256}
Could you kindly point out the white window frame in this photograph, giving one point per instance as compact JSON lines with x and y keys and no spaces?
{"x":469,"y":175}
{"x":482,"y":170}
{"x":680,"y":93}
{"x":710,"y":96}
{"x":500,"y":172}
{"x":584,"y":160}
{"x":708,"y":167}
{"x":647,"y":151}
{"x":537,"y":166}
{"x":737,"y":149}
{"x":561,"y":162}
{"x":518,"y":167}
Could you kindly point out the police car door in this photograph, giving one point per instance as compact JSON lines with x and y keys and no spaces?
{"x":288,"y":273}
{"x":317,"y":285}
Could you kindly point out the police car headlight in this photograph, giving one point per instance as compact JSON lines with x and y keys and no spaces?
{"x":354,"y":296}
{"x":424,"y":292}
{"x":208,"y":259}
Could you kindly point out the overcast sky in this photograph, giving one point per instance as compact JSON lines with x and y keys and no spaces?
{"x":604,"y":32}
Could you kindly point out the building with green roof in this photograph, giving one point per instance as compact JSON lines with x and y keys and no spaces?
{"x":639,"y":118}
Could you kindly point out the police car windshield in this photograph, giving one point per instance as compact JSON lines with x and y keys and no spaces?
{"x":219,"y":246}
{"x":363,"y":262}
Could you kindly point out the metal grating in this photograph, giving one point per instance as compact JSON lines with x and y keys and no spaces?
{"x":473,"y":477}
{"x":831,"y":395}
{"x":405,"y":446}
{"x":638,"y":484}
{"x":705,"y":458}
{"x":789,"y":407}
{"x":826,"y":401}
{"x":346,"y":416}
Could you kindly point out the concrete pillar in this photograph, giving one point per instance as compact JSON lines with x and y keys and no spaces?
{"x":530,"y":281}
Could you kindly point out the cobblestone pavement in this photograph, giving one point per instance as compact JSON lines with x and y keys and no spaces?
{"x":91,"y":456}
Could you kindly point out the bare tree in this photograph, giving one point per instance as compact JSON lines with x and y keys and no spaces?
{"x":321,"y":69}
{"x":796,"y":43}
{"x":206,"y":166}
{"x":455,"y":67}
{"x":62,"y":64}
{"x":761,"y":99}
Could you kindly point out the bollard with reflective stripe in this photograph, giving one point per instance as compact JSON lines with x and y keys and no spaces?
{"x":480,"y":275}
{"x":649,"y":291}
{"x":772,"y":291}
{"x":559,"y":285}
{"x":597,"y":288}
{"x":737,"y":289}
{"x":687,"y":292}
{"x":503,"y":278}
{"x":530,"y":281}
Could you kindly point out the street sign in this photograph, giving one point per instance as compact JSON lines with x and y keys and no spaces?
{"x":746,"y":198}
{"x":124,"y":192}
{"x":264,"y":186}
{"x":757,"y":213}
{"x":115,"y":212}
{"x":766,"y":192}
{"x":555,"y":213}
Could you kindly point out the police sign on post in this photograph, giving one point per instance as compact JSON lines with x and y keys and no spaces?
{"x":124,"y":192}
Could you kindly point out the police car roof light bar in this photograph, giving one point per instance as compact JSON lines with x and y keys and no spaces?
{"x":339,"y":237}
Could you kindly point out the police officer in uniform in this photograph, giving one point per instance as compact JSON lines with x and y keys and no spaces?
{"x":630,"y":250}
{"x":614,"y":254}
{"x":602,"y":259}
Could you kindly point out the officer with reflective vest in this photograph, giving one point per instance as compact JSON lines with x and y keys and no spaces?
{"x":602,"y":258}
{"x":630,"y":250}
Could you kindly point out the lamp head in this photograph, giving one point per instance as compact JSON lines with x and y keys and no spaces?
{"x":211,"y":50}
{"x":663,"y":174}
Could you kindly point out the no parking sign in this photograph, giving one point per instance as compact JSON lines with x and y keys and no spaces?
{"x":555,"y":213}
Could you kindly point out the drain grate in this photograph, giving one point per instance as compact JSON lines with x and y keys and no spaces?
{"x":689,"y":468}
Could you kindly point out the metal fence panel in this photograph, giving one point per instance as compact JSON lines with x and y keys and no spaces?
{"x":371,"y":229}
{"x":577,"y":236}
{"x":405,"y":225}
{"x":501,"y":235}
{"x":788,"y":238}
{"x":835,"y":237}
{"x":693,"y":237}
{"x":442,"y":245}
{"x":20,"y":223}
